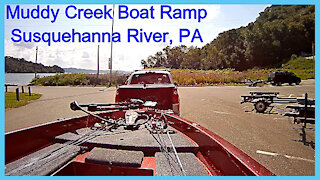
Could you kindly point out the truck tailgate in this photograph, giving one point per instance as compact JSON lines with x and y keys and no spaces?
{"x":160,"y":93}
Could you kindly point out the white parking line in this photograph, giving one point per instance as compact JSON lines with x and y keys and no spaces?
{"x":277,"y":118}
{"x":287,"y":156}
{"x":219,"y":112}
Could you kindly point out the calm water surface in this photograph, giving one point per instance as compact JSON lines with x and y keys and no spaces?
{"x":22,"y":78}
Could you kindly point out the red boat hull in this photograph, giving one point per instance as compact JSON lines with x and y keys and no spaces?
{"x":219,"y":157}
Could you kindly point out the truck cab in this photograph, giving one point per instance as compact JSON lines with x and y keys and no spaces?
{"x":151,"y":85}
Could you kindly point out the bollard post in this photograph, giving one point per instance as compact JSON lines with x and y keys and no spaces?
{"x":29,"y":88}
{"x":22,"y":89}
{"x":17,"y":94}
{"x":305,"y":109}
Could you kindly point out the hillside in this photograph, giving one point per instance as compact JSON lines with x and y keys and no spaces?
{"x":20,"y":65}
{"x":277,"y":34}
{"x":91,"y":71}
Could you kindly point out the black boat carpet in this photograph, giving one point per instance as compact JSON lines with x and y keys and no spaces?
{"x":43,"y":162}
{"x":115,"y":157}
{"x":139,"y":140}
{"x":190,"y":163}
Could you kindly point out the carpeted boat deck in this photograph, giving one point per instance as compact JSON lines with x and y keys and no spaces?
{"x":43,"y":162}
{"x":137,"y":140}
{"x":165,"y":164}
{"x":115,"y":157}
{"x":119,"y":148}
{"x":190,"y":163}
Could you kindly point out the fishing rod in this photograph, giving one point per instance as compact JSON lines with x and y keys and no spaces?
{"x":132,"y":104}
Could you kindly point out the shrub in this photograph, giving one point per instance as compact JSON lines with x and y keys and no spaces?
{"x":79,"y":79}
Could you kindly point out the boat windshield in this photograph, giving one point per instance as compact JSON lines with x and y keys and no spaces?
{"x":150,"y":78}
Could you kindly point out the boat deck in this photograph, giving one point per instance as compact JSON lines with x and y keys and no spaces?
{"x":140,"y":139}
{"x":157,"y":144}
{"x":43,"y":162}
{"x":119,"y":150}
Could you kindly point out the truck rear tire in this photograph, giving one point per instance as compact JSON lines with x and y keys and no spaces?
{"x":260,"y":106}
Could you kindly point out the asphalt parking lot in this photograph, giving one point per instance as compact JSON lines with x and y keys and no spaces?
{"x":219,"y":109}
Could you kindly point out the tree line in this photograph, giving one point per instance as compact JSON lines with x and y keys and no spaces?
{"x":20,"y":65}
{"x":279,"y":32}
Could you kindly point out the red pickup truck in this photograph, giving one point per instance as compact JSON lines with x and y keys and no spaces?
{"x":151,"y":85}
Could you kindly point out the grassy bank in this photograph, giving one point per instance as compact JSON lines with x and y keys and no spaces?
{"x":11,"y":101}
{"x":303,"y":68}
{"x":76,"y":79}
{"x":185,"y":77}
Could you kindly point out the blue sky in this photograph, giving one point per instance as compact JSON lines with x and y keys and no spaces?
{"x":127,"y":56}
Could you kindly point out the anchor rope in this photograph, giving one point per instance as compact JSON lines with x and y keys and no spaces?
{"x":166,"y":153}
{"x":176,"y":154}
{"x":165,"y":149}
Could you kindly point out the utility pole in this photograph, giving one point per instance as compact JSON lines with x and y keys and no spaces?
{"x":35,"y":68}
{"x":98,"y":62}
{"x":313,"y":53}
{"x":110,"y":63}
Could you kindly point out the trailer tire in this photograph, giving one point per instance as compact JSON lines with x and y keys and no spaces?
{"x":261,"y":106}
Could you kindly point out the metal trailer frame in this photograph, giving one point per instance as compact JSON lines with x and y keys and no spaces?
{"x":304,"y":112}
{"x":262,"y":100}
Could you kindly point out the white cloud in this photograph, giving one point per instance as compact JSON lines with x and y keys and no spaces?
{"x":85,"y":54}
{"x":23,"y":45}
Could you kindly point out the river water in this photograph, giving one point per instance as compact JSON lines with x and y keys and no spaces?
{"x":22,"y":78}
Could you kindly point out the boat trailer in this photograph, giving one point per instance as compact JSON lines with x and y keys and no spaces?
{"x":303,"y":109}
{"x":262,"y":100}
